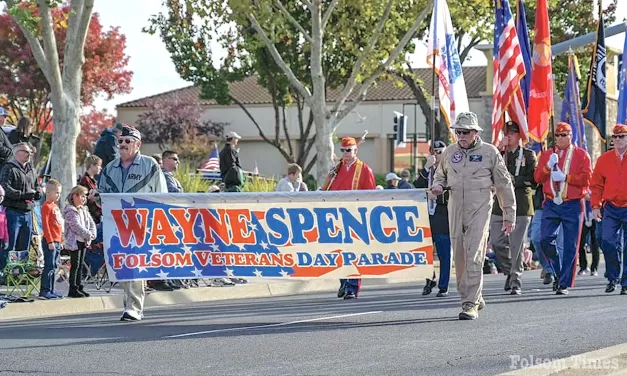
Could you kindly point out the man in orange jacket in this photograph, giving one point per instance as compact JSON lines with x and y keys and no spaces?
{"x":350,"y":174}
{"x":609,"y":182}
{"x":565,"y":175}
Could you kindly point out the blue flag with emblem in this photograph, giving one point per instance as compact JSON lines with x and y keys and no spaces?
{"x":594,"y":102}
{"x":622,"y":88}
{"x":571,"y":110}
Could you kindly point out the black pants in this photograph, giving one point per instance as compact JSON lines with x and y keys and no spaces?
{"x":76,"y":271}
{"x":594,"y":247}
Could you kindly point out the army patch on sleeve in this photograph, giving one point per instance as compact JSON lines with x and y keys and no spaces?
{"x":476,"y":158}
{"x":457,"y":157}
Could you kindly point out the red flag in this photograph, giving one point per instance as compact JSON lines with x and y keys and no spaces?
{"x":541,"y":93}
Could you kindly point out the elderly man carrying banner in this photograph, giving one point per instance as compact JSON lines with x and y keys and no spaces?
{"x":350,"y":174}
{"x":609,"y":180}
{"x":564,"y":174}
{"x":471,"y":168}
{"x":132,"y":172}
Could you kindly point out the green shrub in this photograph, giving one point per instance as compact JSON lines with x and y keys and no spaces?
{"x":256,"y":184}
{"x":191,"y":181}
{"x":379,"y":179}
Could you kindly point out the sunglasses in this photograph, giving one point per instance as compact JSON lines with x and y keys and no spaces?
{"x":462,"y":131}
{"x":125,"y":140}
{"x":346,"y":150}
{"x":561,"y":135}
{"x":438,"y":151}
{"x":26,"y":151}
{"x":174,"y":159}
{"x":621,"y":136}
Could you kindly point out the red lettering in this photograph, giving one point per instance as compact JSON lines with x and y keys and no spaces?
{"x":276,"y":259}
{"x":155,"y":260}
{"x":202,"y":257}
{"x":129,"y":225}
{"x":118,"y":260}
{"x":132,"y":261}
{"x":250,"y":259}
{"x":143,"y":261}
{"x":161,"y":231}
{"x":186,"y":222}
{"x":264,"y":260}
{"x":288,"y":260}
{"x":167,"y":260}
{"x":215,"y":225}
{"x":240,"y":259}
{"x":217,"y":259}
{"x":183,"y":259}
{"x":239,"y":219}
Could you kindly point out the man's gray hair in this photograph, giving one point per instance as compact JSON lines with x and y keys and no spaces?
{"x":17,"y":146}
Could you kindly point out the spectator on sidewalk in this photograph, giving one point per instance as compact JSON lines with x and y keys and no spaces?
{"x":107,"y":145}
{"x":292,"y":182}
{"x":93,"y":166}
{"x":170,"y":163}
{"x":230,"y":168}
{"x":21,"y":192}
{"x":589,"y":227}
{"x":80,"y":230}
{"x":159,"y":160}
{"x":23,"y":132}
{"x":146,"y":178}
{"x":6,"y":150}
{"x":396,"y":182}
{"x":52,"y":244}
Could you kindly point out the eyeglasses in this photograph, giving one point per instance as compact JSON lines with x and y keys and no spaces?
{"x":621,"y":136}
{"x":125,"y":140}
{"x":26,"y":151}
{"x":462,"y":131}
{"x":561,"y":135}
{"x":346,"y":150}
{"x":438,"y":151}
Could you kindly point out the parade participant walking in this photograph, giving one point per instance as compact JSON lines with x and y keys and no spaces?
{"x":438,"y":220}
{"x":521,"y":163}
{"x":565,"y":175}
{"x":230,"y":168}
{"x":132,"y":172}
{"x":609,"y":180}
{"x":350,"y":174}
{"x":471,"y":168}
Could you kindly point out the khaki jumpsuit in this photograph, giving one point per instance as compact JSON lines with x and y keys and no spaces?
{"x":471,"y":174}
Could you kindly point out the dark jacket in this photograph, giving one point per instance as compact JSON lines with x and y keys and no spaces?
{"x":524,"y":184}
{"x":538,"y":198}
{"x":107,"y":147}
{"x":93,"y":205}
{"x":17,"y":181}
{"x":6,"y":149}
{"x":402,"y":184}
{"x":16,"y":137}
{"x":230,"y":167}
{"x":173,"y":185}
{"x":439,"y":220}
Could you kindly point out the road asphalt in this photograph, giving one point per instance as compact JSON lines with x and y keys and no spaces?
{"x":391,"y":330}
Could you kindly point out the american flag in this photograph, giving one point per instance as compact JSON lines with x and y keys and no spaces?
{"x":509,"y":68}
{"x":213,"y":163}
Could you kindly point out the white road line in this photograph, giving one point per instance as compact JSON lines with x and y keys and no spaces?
{"x":273,"y":325}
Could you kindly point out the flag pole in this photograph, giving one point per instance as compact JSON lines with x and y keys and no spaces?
{"x":433,"y":112}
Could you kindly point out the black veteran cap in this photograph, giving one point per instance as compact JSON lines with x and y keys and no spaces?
{"x":130,"y":131}
{"x":512,"y":126}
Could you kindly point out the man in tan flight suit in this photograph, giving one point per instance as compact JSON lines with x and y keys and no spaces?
{"x":471,"y":168}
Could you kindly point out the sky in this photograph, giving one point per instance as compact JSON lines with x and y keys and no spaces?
{"x":154,"y":71}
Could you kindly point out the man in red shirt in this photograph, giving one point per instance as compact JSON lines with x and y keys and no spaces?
{"x":609,"y":192}
{"x":565,"y":175}
{"x":350,"y":174}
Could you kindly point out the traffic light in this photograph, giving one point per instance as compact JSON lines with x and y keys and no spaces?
{"x":400,"y":128}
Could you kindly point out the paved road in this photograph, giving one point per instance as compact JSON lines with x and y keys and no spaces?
{"x":388,"y":331}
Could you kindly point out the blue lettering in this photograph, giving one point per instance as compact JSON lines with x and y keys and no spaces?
{"x":407,"y":226}
{"x":302,"y":220}
{"x":276,"y":225}
{"x":420,"y":258}
{"x":364,"y":260}
{"x":393,"y":259}
{"x":304,"y":259}
{"x":320,"y":260}
{"x":333,"y":258}
{"x":377,"y":228}
{"x":326,"y":225}
{"x":351,"y":223}
{"x":407,"y":258}
{"x":377,"y":259}
{"x":348,"y":258}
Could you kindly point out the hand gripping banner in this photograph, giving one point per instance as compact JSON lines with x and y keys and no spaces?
{"x":354,"y":234}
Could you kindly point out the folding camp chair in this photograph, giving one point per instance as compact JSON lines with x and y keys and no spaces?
{"x":22,"y":275}
{"x":101,"y":279}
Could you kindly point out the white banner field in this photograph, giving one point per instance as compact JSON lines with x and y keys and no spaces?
{"x":354,"y":234}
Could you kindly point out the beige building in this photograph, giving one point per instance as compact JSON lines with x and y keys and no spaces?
{"x":376,"y":115}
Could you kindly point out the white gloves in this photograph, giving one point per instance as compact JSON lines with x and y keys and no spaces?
{"x":558,"y":176}
{"x":552,"y":161}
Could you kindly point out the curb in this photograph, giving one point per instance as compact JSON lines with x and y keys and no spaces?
{"x":608,"y":361}
{"x":96,"y":304}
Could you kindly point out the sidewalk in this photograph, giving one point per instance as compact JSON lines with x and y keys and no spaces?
{"x":100,"y":301}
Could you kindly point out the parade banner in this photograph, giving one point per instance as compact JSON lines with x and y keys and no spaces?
{"x":297,"y":235}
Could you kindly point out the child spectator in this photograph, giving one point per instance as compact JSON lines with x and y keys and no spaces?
{"x":93,"y":166}
{"x":80,"y":230}
{"x":52,"y":223}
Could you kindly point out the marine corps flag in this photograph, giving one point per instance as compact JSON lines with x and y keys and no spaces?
{"x":540,"y":107}
{"x":594,"y":100}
